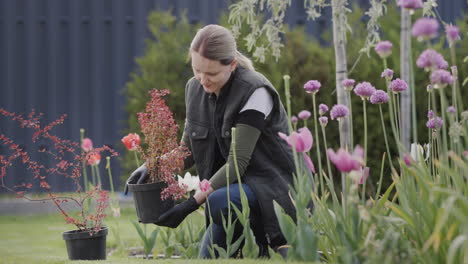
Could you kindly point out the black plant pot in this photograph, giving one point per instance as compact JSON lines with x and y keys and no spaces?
{"x":148,"y":203}
{"x":83,"y":246}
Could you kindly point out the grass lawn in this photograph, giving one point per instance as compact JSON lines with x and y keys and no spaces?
{"x":38,"y":239}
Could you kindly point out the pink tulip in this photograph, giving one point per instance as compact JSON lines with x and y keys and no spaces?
{"x":131,"y":141}
{"x":363,"y":175}
{"x":346,"y":162}
{"x":94,"y":159}
{"x":205,"y":185}
{"x":303,"y":142}
{"x":87,"y":144}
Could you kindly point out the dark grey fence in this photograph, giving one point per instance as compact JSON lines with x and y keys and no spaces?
{"x":74,"y":57}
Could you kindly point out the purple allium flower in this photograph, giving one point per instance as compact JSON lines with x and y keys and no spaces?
{"x":294,"y":119}
{"x":425,"y":28}
{"x":383,"y":48}
{"x":440,"y":78}
{"x":323,"y":108}
{"x":451,"y":109}
{"x":435,"y":123}
{"x":339,"y":111}
{"x":430,"y":114}
{"x":410,"y":4}
{"x":387,"y":73}
{"x":379,"y":97}
{"x":453,"y":34}
{"x":323,"y":121}
{"x":364,"y":89}
{"x":398,"y":85}
{"x":408,"y":160}
{"x":312,"y":86}
{"x":348,"y":84}
{"x":430,"y":59}
{"x":304,"y":114}
{"x":429,"y":88}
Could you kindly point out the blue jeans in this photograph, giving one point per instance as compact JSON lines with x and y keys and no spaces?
{"x":217,"y":205}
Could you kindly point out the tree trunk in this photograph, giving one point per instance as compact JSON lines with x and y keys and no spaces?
{"x":405,"y":72}
{"x":339,"y":40}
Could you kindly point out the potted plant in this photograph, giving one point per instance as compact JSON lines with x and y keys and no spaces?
{"x":63,"y":158}
{"x":163,"y":156}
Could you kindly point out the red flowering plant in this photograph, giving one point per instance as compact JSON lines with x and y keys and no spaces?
{"x":66,"y":160}
{"x":163,"y":154}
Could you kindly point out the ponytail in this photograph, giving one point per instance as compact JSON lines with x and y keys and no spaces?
{"x":244,"y":61}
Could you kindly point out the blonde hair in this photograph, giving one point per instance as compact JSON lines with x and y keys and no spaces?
{"x":215,"y":42}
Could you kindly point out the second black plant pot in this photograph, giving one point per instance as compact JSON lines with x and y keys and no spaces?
{"x":148,"y":203}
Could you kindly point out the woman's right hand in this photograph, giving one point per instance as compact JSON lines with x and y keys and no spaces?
{"x":139,"y":176}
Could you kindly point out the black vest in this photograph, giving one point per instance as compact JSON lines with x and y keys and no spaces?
{"x":209,"y":122}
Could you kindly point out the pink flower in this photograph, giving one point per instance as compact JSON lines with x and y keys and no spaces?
{"x":451,"y":109}
{"x":87,"y":144}
{"x":453,"y":34}
{"x":410,"y":4}
{"x":323,"y":121}
{"x":398,"y":85}
{"x":312,"y":86}
{"x":407,"y":159}
{"x":304,"y":114}
{"x":94,"y":158}
{"x":205,"y":185}
{"x":294,"y":119}
{"x":131,"y":141}
{"x":384,"y":48}
{"x":338,"y":112}
{"x":363,"y":175}
{"x":440,"y":78}
{"x":387,"y":73}
{"x":323,"y":108}
{"x":431,"y":60}
{"x":435,"y":123}
{"x":303,"y":142}
{"x":425,"y":28}
{"x":379,"y":97}
{"x":364,"y":90}
{"x":348,"y":84}
{"x":346,"y":162}
{"x":465,"y":154}
{"x":430,"y":114}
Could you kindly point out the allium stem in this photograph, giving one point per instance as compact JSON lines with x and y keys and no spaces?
{"x":365,"y":131}
{"x":456,"y":94}
{"x":109,"y":172}
{"x":443,"y":105}
{"x":318,"y":146}
{"x":93,"y":175}
{"x":98,"y":174}
{"x":413,"y":95}
{"x":288,"y":108}
{"x":351,"y":133}
{"x":324,"y":135}
{"x":395,"y":133}
{"x":385,"y":137}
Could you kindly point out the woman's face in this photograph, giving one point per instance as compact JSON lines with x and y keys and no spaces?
{"x":211,"y":73}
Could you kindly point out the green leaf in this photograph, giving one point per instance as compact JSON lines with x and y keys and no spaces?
{"x":288,"y":228}
{"x":139,"y":230}
{"x":307,"y":243}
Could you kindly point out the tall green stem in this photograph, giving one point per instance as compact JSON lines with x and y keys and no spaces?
{"x":109,"y":172}
{"x":136,"y":159}
{"x":385,"y":137}
{"x":365,"y":131}
{"x":351,"y":135}
{"x":83,"y":163}
{"x":318,"y":147}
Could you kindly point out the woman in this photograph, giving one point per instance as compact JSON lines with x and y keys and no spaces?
{"x":227,"y":92}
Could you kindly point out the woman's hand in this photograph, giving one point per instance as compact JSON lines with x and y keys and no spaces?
{"x":200,"y":196}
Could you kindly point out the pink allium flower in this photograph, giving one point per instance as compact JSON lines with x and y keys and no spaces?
{"x":294,"y":119}
{"x":453,"y":34}
{"x":87,"y":144}
{"x":379,"y":97}
{"x":304,"y":114}
{"x":451,"y":109}
{"x":435,"y":123}
{"x":323,"y":121}
{"x":363,"y":175}
{"x":398,"y":85}
{"x":346,"y":162}
{"x":384,"y":48}
{"x":410,"y":4}
{"x":131,"y":141}
{"x":387,"y":73}
{"x":425,"y":28}
{"x":364,"y":90}
{"x":339,"y":111}
{"x":430,"y":59}
{"x":430,"y":114}
{"x":303,"y":142}
{"x":205,"y":185}
{"x":348,"y":84}
{"x":323,"y":108}
{"x":94,"y":158}
{"x":312,"y":86}
{"x":440,"y":78}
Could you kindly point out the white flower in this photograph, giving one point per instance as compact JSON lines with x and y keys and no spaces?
{"x":189,"y":182}
{"x":417,"y":152}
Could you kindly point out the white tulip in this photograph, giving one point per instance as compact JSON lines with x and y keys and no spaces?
{"x":189,"y":182}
